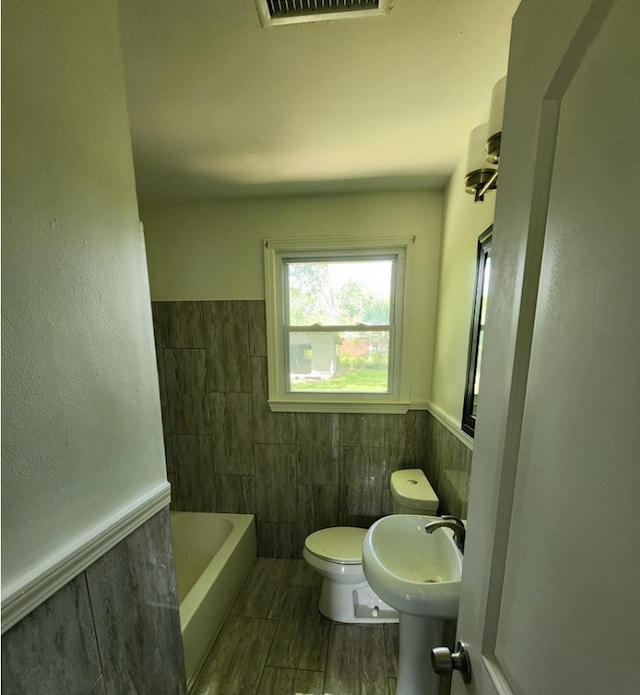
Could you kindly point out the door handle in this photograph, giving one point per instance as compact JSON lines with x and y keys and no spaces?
{"x":444,"y":662}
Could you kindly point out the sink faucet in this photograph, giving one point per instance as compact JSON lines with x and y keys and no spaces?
{"x":455,"y":524}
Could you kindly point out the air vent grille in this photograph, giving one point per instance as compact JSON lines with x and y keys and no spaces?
{"x":296,"y":11}
{"x":298,"y":8}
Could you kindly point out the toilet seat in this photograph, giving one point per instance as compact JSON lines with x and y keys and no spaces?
{"x":345,"y":594}
{"x":339,"y":544}
{"x":336,"y":554}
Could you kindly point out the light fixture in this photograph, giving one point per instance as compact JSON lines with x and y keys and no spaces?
{"x":495,"y":121}
{"x":483,"y":154}
{"x":481,"y":177}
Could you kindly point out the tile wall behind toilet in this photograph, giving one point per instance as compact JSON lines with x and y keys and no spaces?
{"x":297,"y":472}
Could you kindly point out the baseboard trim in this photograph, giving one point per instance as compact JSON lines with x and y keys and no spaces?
{"x":23,"y":596}
{"x":451,"y":425}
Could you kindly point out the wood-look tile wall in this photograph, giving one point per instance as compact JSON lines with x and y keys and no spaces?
{"x":226,"y":451}
{"x":113,"y":629}
{"x":448,"y":467}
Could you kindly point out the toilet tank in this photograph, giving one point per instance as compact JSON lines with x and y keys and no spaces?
{"x":412,"y":493}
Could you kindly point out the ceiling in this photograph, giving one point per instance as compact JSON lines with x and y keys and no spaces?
{"x":221,"y":106}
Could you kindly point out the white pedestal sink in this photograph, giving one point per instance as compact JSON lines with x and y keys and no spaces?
{"x":419,"y":575}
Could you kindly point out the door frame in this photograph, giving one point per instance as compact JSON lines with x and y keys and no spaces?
{"x":532,"y":107}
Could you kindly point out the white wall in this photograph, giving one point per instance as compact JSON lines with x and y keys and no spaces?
{"x":213,"y":251}
{"x":464,"y":221}
{"x":81,"y":431}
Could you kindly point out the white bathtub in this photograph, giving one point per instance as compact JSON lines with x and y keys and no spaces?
{"x":212,"y":554}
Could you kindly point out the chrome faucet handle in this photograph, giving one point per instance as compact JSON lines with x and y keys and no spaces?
{"x":458,"y":528}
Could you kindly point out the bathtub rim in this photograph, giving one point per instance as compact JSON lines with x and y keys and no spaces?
{"x":240,"y":524}
{"x":213,"y":594}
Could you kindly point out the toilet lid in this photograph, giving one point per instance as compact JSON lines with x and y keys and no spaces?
{"x":337,"y":544}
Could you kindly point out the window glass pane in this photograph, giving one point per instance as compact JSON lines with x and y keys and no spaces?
{"x":339,"y":293}
{"x":485,"y":291}
{"x":334,"y":361}
{"x":483,"y":319}
{"x":476,"y":333}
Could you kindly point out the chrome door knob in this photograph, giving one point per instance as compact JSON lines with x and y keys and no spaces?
{"x":444,"y":662}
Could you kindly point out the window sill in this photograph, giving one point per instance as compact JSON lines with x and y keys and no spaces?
{"x":309,"y":406}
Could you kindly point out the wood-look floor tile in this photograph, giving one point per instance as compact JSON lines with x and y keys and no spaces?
{"x":237,"y":659}
{"x":263,"y":593}
{"x":356,"y":661}
{"x":306,"y":653}
{"x":392,"y":646}
{"x":290,"y":681}
{"x":302,"y":637}
{"x":300,"y":573}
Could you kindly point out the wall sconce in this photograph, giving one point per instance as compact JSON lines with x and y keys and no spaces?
{"x":481,"y":177}
{"x":484,"y":148}
{"x":495,"y":121}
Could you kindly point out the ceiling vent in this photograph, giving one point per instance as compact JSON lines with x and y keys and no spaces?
{"x":273,"y":12}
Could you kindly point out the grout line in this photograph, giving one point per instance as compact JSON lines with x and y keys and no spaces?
{"x":331,"y":637}
{"x":95,"y":629}
{"x":329,"y":642}
{"x":273,"y":638}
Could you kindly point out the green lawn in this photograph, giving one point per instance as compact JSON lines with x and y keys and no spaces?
{"x":363,"y":381}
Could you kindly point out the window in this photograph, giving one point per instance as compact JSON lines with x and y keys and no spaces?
{"x":476,"y":335}
{"x":336,"y":338}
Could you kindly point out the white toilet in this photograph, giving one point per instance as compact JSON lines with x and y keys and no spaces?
{"x":336,"y":553}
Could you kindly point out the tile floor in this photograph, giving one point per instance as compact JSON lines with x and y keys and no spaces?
{"x":275,"y":642}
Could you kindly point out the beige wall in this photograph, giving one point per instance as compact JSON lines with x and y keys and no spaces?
{"x":81,"y":429}
{"x":464,"y":221}
{"x":212,"y":251}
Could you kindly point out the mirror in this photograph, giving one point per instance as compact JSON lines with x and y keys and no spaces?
{"x":478,"y":317}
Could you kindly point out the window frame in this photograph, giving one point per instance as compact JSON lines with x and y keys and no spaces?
{"x":276,"y":252}
{"x":483,"y":254}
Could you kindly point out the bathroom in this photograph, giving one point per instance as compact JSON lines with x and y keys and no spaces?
{"x":89,"y":595}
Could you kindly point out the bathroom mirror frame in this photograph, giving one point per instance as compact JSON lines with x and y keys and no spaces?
{"x":476,"y":333}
